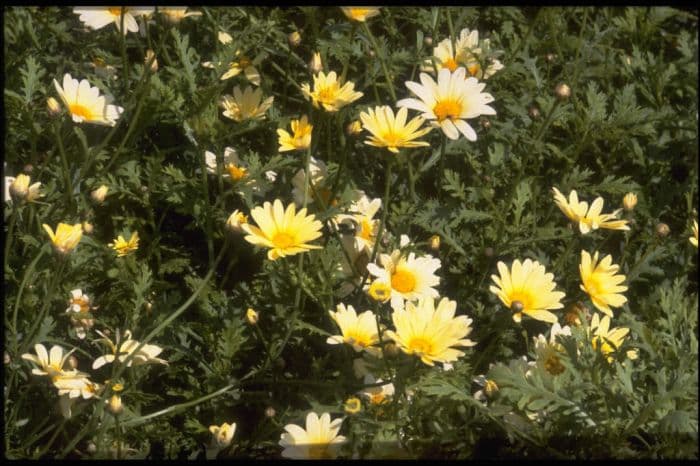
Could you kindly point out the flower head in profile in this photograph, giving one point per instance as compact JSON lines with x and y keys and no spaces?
{"x":549,"y":351}
{"x":468,"y":52}
{"x":430,"y":333}
{"x":66,"y":237}
{"x":607,"y":340}
{"x":329,"y":93}
{"x":175,"y":14}
{"x":588,"y":218}
{"x":319,"y":440}
{"x":245,"y":105}
{"x":235,"y":220}
{"x":365,"y":226}
{"x":450,"y":102}
{"x":527,"y":289}
{"x":410,"y":277}
{"x":285,"y":232}
{"x":233,"y":168}
{"x":379,"y":394}
{"x":601,"y":282}
{"x":124,"y":247}
{"x":360,"y":13}
{"x":317,"y":184}
{"x":123,"y":348}
{"x":73,"y":385}
{"x":392,"y":131}
{"x":222,"y":435}
{"x":359,"y":331}
{"x":20,"y":188}
{"x":85,"y":103}
{"x":694,"y":239}
{"x":48,"y":363}
{"x":299,"y":139}
{"x":97,"y":17}
{"x":240,"y":63}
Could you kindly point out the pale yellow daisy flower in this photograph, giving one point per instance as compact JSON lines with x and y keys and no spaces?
{"x":299,"y":139}
{"x":527,"y":289}
{"x":360,"y":13}
{"x":66,"y":237}
{"x":588,"y":218}
{"x":49,"y":363}
{"x":175,"y":14}
{"x":285,"y":232}
{"x":124,"y":247}
{"x":85,"y":103}
{"x":601,"y":282}
{"x":245,"y":105}
{"x":122,"y":349}
{"x":549,"y":351}
{"x":97,"y":17}
{"x":329,"y":93}
{"x":20,"y":188}
{"x":608,"y":340}
{"x":222,"y":435}
{"x":366,"y":227}
{"x":392,"y":131}
{"x":377,"y":395}
{"x":319,"y":440}
{"x":359,"y":331}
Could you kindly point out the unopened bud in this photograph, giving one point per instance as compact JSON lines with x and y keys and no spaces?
{"x":316,"y":65}
{"x":534,"y":112}
{"x":88,"y":228}
{"x":629,"y":201}
{"x":428,"y":40}
{"x":7,"y":359}
{"x":53,"y":106}
{"x":490,"y":388}
{"x":98,"y":195}
{"x":235,"y":220}
{"x":352,"y":405}
{"x":73,"y":362}
{"x":371,"y":53}
{"x":115,"y":405}
{"x":353,"y":128}
{"x":224,"y":37}
{"x":251,"y":316}
{"x":20,"y":186}
{"x":575,"y":313}
{"x":294,"y":38}
{"x":435,"y":242}
{"x":550,"y":57}
{"x":91,"y":448}
{"x":150,"y":55}
{"x":485,"y":123}
{"x":662,"y":230}
{"x":517,"y":306}
{"x":562,"y":91}
{"x":270,"y":412}
{"x":149,"y":306}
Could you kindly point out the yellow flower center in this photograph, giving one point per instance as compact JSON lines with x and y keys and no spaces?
{"x":327,"y":94}
{"x":365,"y":229}
{"x":593,"y":285}
{"x":553,"y":365}
{"x":116,"y":10}
{"x":283,"y":240}
{"x":524,"y":297}
{"x":82,"y":302}
{"x":450,"y":64}
{"x":81,"y":111}
{"x":377,"y":398}
{"x":235,"y":172}
{"x":359,"y":340}
{"x":447,"y":109}
{"x":403,"y":281}
{"x":473,"y":68}
{"x":420,"y":346}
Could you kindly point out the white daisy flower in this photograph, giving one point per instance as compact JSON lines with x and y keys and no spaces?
{"x":97,"y":17}
{"x":85,"y":103}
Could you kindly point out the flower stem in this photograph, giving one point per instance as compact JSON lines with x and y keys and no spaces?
{"x":441,"y":166}
{"x":546,"y":122}
{"x":382,"y":62}
{"x":11,"y":233}
{"x":64,"y":161}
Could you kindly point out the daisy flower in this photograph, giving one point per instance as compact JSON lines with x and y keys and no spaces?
{"x":549,"y":351}
{"x":319,"y":440}
{"x":66,"y":237}
{"x":285,"y":232}
{"x":319,"y":175}
{"x":235,"y":220}
{"x":410,"y":278}
{"x":392,"y":131}
{"x":241,"y":63}
{"x":245,"y":105}
{"x":122,"y":349}
{"x":527,"y":289}
{"x":329,"y":93}
{"x":175,"y":14}
{"x":694,"y":239}
{"x":608,"y":340}
{"x":48,"y":363}
{"x":450,"y":101}
{"x":588,"y":218}
{"x":429,"y":332}
{"x":97,"y":17}
{"x":21,"y":189}
{"x":379,"y":394}
{"x":601,"y":282}
{"x":361,"y":217}
{"x":360,"y":13}
{"x":299,"y":139}
{"x":85,"y":103}
{"x":124,"y":247}
{"x":359,"y":331}
{"x":222,"y":435}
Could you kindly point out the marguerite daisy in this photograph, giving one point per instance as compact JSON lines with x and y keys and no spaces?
{"x":588,"y":218}
{"x":359,"y":331}
{"x":245,"y":105}
{"x":319,"y":440}
{"x":328,"y":92}
{"x":601,"y":282}
{"x":85,"y":103}
{"x":392,"y":131}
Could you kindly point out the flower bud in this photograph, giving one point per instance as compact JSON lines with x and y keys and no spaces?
{"x":315,"y":65}
{"x":28,"y":169}
{"x":629,"y":201}
{"x":391,"y":350}
{"x":53,"y":107}
{"x":485,"y":123}
{"x":353,"y":128}
{"x":114,"y":405}
{"x":562,"y":91}
{"x":534,"y":112}
{"x":352,"y":405}
{"x":7,"y":359}
{"x":270,"y":412}
{"x":235,"y":220}
{"x":550,"y":57}
{"x":150,"y":55}
{"x":72,"y":362}
{"x":294,"y":38}
{"x":575,"y":313}
{"x":428,"y":40}
{"x":88,"y":228}
{"x":435,"y":242}
{"x":490,"y":388}
{"x":251,"y":316}
{"x":99,"y":194}
{"x":91,"y":448}
{"x":662,"y":230}
{"x":20,"y":187}
{"x":224,"y":37}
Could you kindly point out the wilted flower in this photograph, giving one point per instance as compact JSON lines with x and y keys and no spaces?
{"x":98,"y":17}
{"x":392,"y":131}
{"x":48,"y":363}
{"x":122,"y":349}
{"x":601,"y":282}
{"x":328,"y":92}
{"x":285,"y":232}
{"x":319,"y":440}
{"x":588,"y":218}
{"x":359,"y":331}
{"x":489,"y":388}
{"x":527,"y":289}
{"x":360,"y":13}
{"x":318,"y":175}
{"x":124,"y":247}
{"x":629,"y":201}
{"x":66,"y":237}
{"x":450,"y":101}
{"x":379,"y":394}
{"x":429,"y":332}
{"x":85,"y":103}
{"x":300,"y":138}
{"x":245,"y":105}
{"x":175,"y":14}
{"x":21,"y":189}
{"x":549,"y":351}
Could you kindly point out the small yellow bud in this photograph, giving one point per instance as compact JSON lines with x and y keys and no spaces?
{"x":315,"y":65}
{"x":53,"y":106}
{"x":562,"y":91}
{"x":19,"y":189}
{"x":224,"y":37}
{"x":380,"y":291}
{"x":252,"y":316}
{"x":629,"y":201}
{"x":352,"y":405}
{"x":150,"y":55}
{"x":88,"y":228}
{"x":662,"y":230}
{"x":114,"y":405}
{"x":353,"y":128}
{"x":294,"y":38}
{"x":99,"y":194}
{"x":490,"y":388}
{"x":435,"y":242}
{"x":117,"y":387}
{"x":235,"y":220}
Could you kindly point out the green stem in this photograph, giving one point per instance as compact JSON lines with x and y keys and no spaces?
{"x":64,"y":162}
{"x":119,"y":437}
{"x":10,"y":233}
{"x":546,"y":122}
{"x":382,"y":62}
{"x":441,"y":166}
{"x":347,"y":62}
{"x":411,"y":179}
